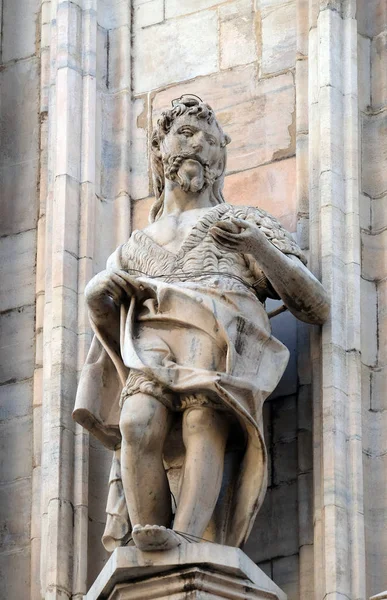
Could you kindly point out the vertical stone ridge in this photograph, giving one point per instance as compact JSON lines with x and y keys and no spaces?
{"x":372,"y":40}
{"x":85,"y":272}
{"x":40,"y":300}
{"x":61,"y":268}
{"x":305,"y":475}
{"x":335,"y":246}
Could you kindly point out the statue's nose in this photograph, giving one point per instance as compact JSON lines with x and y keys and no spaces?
{"x":197,"y":146}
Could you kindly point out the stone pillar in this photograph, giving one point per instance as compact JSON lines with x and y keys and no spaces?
{"x":335,"y":257}
{"x":191,"y":571}
{"x":84,"y":215}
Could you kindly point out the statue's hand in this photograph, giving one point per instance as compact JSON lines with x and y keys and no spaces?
{"x":239,"y":235}
{"x":109,"y":285}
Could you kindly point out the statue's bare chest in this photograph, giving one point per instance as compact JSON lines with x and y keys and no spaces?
{"x":172,"y":230}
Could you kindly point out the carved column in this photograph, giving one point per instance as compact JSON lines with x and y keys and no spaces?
{"x":335,"y":256}
{"x":85,"y":109}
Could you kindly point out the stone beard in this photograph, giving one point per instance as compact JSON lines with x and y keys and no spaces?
{"x":188,"y":172}
{"x":183,"y":357}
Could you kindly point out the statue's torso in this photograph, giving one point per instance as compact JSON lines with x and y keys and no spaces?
{"x":182,"y":250}
{"x":170,"y":231}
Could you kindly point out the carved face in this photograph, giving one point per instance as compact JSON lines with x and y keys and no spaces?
{"x":193,"y":153}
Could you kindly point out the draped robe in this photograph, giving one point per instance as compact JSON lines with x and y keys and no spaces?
{"x":204,"y":301}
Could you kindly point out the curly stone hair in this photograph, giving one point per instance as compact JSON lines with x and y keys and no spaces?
{"x":190,"y":105}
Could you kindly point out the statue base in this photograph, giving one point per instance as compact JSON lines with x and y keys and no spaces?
{"x":202,"y":571}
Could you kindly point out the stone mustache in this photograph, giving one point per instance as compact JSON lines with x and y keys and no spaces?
{"x":183,"y":357}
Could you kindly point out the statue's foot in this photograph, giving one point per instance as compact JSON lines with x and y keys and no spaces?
{"x":154,"y":537}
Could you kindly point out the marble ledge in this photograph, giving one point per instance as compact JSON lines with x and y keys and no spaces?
{"x":184,"y":572}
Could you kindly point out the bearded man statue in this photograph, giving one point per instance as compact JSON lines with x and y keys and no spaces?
{"x":183,"y":357}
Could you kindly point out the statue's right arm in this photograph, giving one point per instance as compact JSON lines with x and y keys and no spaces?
{"x":103,"y":306}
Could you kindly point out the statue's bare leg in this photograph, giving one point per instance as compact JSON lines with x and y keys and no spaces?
{"x":144,"y":426}
{"x":205,"y":434}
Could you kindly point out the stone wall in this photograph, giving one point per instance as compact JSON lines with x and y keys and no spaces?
{"x":372,"y":47}
{"x":19,"y":209}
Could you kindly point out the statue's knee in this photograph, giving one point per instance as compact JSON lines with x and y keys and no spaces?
{"x":140,"y":428}
{"x":198,"y":420}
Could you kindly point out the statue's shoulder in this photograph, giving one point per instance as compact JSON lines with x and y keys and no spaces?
{"x":114,"y":261}
{"x":272,"y":228}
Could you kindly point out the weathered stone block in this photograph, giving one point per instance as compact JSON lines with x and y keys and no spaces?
{"x":330,"y":72}
{"x":307,"y":583}
{"x":104,"y":213}
{"x":113,"y":13}
{"x":197,"y":55}
{"x":65,"y":308}
{"x":305,"y":505}
{"x":331,"y":130}
{"x":68,"y":127}
{"x":286,"y":573}
{"x":15,"y":587}
{"x":17,"y":270}
{"x":19,"y":131}
{"x":97,"y":555}
{"x":285,"y":461}
{"x":275,"y":532}
{"x":101,"y":58}
{"x":59,"y":450}
{"x":17,"y":344}
{"x":369,"y":324}
{"x":69,"y":35}
{"x":284,"y":419}
{"x":271,"y":187}
{"x":284,"y":328}
{"x":379,"y":71}
{"x":66,"y":215}
{"x":176,"y":8}
{"x":379,"y":389}
{"x":364,"y":71}
{"x":382,"y":321}
{"x":100,"y":459}
{"x":15,"y":400}
{"x":64,"y":270}
{"x":18,"y":207}
{"x":15,"y":514}
{"x":19,"y":16}
{"x":278,"y":37}
{"x":378,"y":209}
{"x":371,"y":17}
{"x":119,"y":59}
{"x":115,"y":157}
{"x":374,"y":255}
{"x":139,"y":173}
{"x":16,"y":449}
{"x":148,"y":13}
{"x":258,"y":115}
{"x":237,"y":34}
{"x":365,"y":215}
{"x":374,"y":151}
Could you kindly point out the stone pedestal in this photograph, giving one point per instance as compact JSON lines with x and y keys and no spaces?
{"x":192,"y":571}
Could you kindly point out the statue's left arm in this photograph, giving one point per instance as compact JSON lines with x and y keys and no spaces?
{"x":298,"y":288}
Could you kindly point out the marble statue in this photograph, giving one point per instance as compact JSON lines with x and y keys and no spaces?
{"x":183,"y":357}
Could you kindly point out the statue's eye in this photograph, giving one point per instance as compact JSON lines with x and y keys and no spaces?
{"x":186,"y":132}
